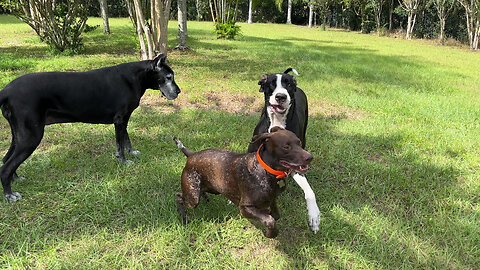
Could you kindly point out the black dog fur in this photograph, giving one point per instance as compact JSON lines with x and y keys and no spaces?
{"x":103,"y":96}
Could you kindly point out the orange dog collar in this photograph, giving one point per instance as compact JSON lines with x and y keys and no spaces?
{"x":279,"y":174}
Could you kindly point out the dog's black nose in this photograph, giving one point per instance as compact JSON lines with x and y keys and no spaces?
{"x":280,"y":98}
{"x":178,"y":91}
{"x":308,"y":158}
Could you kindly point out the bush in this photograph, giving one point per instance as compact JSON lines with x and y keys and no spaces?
{"x":59,"y":23}
{"x":227,"y":30}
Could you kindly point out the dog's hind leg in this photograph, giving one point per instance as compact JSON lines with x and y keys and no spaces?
{"x":181,"y":208}
{"x":27,"y":140}
{"x":7,"y":113}
{"x":191,"y":192}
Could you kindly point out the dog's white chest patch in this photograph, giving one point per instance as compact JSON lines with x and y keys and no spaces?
{"x":276,"y":120}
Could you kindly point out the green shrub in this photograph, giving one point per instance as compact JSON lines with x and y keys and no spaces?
{"x":227,"y":30}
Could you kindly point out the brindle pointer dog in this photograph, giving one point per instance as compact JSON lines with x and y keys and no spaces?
{"x":241,"y":178}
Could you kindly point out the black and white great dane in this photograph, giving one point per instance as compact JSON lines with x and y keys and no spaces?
{"x":103,"y":96}
{"x":286,"y":106}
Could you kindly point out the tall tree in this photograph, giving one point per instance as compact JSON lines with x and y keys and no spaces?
{"x":150,"y":27}
{"x":289,"y":9}
{"x":360,"y":9}
{"x":104,"y":14}
{"x":289,"y":12}
{"x":162,"y":13}
{"x":224,"y":11}
{"x":198,"y":8}
{"x":472,"y":11}
{"x":182,"y":25}
{"x":377,"y":6}
{"x":310,"y":14}
{"x":250,"y":3}
{"x":444,"y":8}
{"x":411,"y":7}
{"x":390,"y":16}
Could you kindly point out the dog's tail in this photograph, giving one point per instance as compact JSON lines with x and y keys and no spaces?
{"x":291,"y":69}
{"x":182,"y":148}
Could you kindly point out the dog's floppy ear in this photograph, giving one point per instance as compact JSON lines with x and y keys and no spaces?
{"x":159,"y":60}
{"x":262,"y":82}
{"x":260,"y":138}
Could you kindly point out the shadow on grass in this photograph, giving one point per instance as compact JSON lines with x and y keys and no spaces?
{"x":378,"y":204}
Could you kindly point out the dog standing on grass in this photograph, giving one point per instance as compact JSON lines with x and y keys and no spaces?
{"x":250,"y":181}
{"x":103,"y":96}
{"x":286,"y":106}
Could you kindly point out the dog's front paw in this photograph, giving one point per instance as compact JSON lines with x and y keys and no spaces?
{"x":15,"y":196}
{"x":271,"y":233}
{"x":314,"y":217}
{"x":128,"y":162}
{"x":134,"y":152}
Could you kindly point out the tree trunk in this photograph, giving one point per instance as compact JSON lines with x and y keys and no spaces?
{"x":250,"y":2}
{"x":442,"y":31}
{"x":197,"y":6}
{"x":411,"y":24}
{"x":390,"y":17}
{"x":153,"y":22}
{"x":211,"y":10}
{"x":289,"y":12}
{"x":363,"y":16}
{"x":182,"y":25}
{"x":104,"y":14}
{"x":476,"y":39}
{"x":324,"y":24}
{"x":410,"y":6}
{"x":235,"y":11}
{"x":141,"y":31}
{"x":472,"y":12}
{"x":378,"y":14}
{"x":163,"y":11}
{"x":310,"y":16}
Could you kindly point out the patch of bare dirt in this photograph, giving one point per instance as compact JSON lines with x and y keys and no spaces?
{"x":242,"y":103}
{"x":232,"y":103}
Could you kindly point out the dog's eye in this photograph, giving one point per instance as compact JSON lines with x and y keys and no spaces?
{"x":287,"y":147}
{"x":169,"y":76}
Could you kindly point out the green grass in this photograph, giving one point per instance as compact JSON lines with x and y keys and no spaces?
{"x":394,"y":128}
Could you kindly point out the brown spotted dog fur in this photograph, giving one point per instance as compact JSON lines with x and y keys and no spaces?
{"x":241,"y":178}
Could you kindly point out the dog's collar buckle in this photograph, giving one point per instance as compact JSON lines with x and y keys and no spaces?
{"x":279,"y":174}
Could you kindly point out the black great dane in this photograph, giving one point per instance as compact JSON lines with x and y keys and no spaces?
{"x":286,"y":106}
{"x":103,"y":96}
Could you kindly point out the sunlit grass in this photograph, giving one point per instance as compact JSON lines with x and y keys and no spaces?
{"x":393,"y":127}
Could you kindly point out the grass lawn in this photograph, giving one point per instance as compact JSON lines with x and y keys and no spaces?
{"x":393,"y":127}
